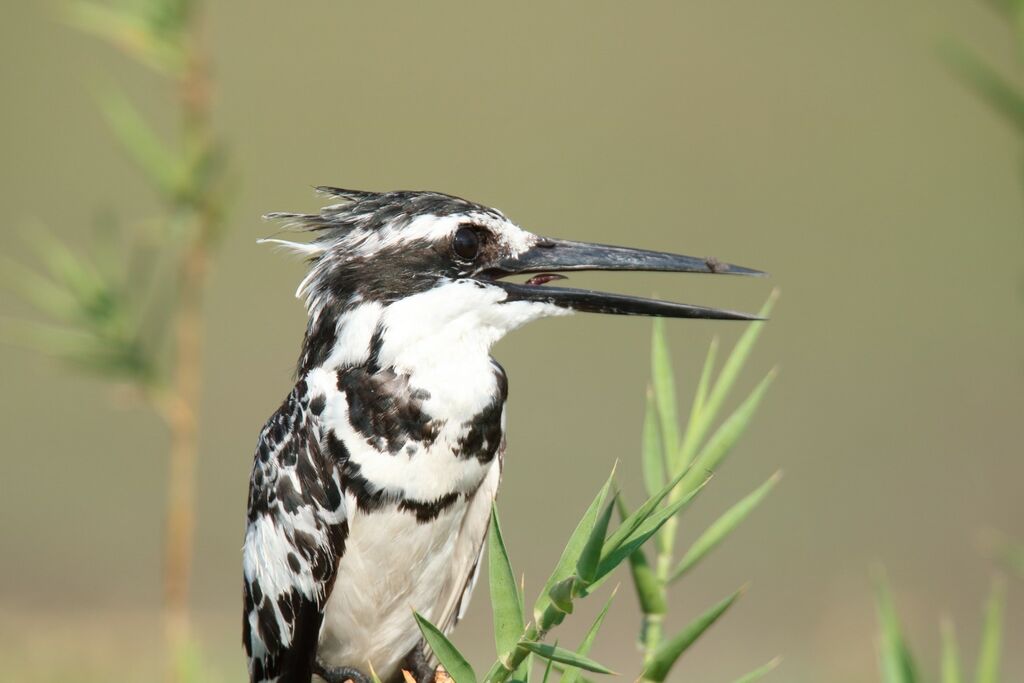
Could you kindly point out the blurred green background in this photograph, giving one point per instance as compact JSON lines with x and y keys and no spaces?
{"x":824,"y":142}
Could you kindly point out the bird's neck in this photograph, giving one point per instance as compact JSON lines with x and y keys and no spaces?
{"x":450,"y":362}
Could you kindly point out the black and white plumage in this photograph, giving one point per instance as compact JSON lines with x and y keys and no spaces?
{"x":372,"y":483}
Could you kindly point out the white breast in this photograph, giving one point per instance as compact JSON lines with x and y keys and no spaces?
{"x":393,"y":565}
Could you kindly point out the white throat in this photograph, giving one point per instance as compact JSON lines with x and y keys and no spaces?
{"x":441,"y":338}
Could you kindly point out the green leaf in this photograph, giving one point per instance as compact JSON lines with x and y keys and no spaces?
{"x":665,"y":657}
{"x":664,"y":383}
{"x":759,"y":672}
{"x":992,"y":636}
{"x":996,"y":90}
{"x":129,"y":32}
{"x":651,"y":450}
{"x":682,"y":458}
{"x":374,"y":678}
{"x":451,"y":659}
{"x":506,"y":604}
{"x":614,"y":554}
{"x":562,"y":594}
{"x":142,"y":143}
{"x":896,"y":660}
{"x":649,"y":591}
{"x":572,"y":675}
{"x":699,"y":428}
{"x":547,"y":669}
{"x":633,"y":521}
{"x":590,"y":557}
{"x":951,"y":669}
{"x":563,"y":656}
{"x":725,"y":437}
{"x":723,"y":526}
{"x":571,"y":554}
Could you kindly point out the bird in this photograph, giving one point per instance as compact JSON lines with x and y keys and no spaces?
{"x":372,"y":484}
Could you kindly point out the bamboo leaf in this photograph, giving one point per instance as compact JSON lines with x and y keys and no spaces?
{"x":700,"y":396}
{"x":951,"y":669}
{"x":651,"y":450}
{"x":992,"y":636}
{"x":506,"y":603}
{"x":590,"y":557}
{"x":664,"y":384}
{"x":896,"y":661}
{"x":758,"y":673}
{"x":614,"y":555}
{"x":451,"y":659}
{"x":571,"y":554}
{"x":633,"y":521}
{"x":563,"y":656}
{"x":726,"y":436}
{"x":572,"y":675}
{"x":670,"y":651}
{"x":547,"y":669}
{"x":723,"y":526}
{"x":699,"y":428}
{"x":648,"y":588}
{"x":1001,"y":95}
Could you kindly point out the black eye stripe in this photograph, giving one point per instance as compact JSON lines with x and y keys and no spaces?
{"x":466,"y":243}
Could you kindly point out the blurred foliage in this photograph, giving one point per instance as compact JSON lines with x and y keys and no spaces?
{"x":676,"y":467}
{"x":112,"y":307}
{"x":897,"y":663}
{"x":1000,"y":92}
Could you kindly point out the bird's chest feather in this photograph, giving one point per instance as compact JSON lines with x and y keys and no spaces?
{"x":420,"y":463}
{"x":393,"y":565}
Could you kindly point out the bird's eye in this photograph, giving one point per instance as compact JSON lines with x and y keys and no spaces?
{"x":466,"y":243}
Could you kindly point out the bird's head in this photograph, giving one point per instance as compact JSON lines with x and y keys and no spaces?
{"x":395,"y":275}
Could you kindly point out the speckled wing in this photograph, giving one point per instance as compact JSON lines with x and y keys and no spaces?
{"x":295,"y":535}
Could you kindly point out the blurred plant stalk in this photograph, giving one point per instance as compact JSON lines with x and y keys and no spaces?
{"x":143,"y":324}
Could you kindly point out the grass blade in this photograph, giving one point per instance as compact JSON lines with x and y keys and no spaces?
{"x":573,"y":549}
{"x":586,"y":566}
{"x":451,"y":659}
{"x":547,"y":669}
{"x":664,"y":383}
{"x":651,"y":451}
{"x":615,"y":554}
{"x":572,"y":675}
{"x":951,"y":669}
{"x":699,"y":428}
{"x":992,"y":636}
{"x":668,"y":654}
{"x":633,"y":521}
{"x":896,"y":661}
{"x":998,"y":92}
{"x":506,"y":604}
{"x":700,"y":396}
{"x":758,"y":673}
{"x":725,"y":437}
{"x":648,"y":588}
{"x":723,"y":526}
{"x":567,"y":657}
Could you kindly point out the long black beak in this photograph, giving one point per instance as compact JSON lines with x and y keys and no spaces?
{"x":550,"y":256}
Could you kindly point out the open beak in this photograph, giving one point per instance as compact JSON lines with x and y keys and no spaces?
{"x":550,"y":256}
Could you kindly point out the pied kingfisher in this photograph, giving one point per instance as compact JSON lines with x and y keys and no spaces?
{"x":372,"y":484}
